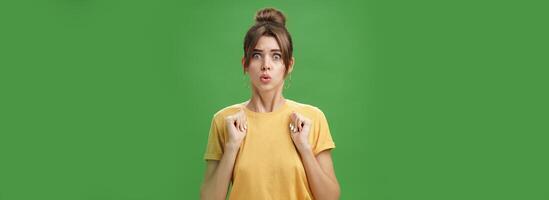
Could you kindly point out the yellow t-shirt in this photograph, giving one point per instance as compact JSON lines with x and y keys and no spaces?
{"x":268,"y":165}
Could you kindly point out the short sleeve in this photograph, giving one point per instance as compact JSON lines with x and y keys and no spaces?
{"x":214,"y":148}
{"x":322,"y":138}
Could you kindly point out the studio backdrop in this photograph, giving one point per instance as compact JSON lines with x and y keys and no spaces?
{"x":425,"y":99}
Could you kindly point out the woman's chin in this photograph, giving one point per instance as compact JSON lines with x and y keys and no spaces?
{"x":266,"y":87}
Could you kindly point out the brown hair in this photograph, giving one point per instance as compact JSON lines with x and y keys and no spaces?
{"x":269,"y":22}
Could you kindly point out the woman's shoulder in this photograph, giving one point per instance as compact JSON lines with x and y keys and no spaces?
{"x":228,"y":110}
{"x":305,"y":108}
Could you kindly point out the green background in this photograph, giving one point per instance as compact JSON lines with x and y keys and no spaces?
{"x":425,"y":99}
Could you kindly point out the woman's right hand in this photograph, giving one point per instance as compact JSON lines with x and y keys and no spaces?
{"x":237,"y":127}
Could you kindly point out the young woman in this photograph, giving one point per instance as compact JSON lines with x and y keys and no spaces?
{"x":269,"y":147}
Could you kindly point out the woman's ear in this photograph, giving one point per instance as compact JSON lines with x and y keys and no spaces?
{"x":244,"y":68}
{"x":291,"y":65}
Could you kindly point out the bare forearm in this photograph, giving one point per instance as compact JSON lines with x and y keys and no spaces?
{"x":322,"y":186}
{"x":215,"y":187}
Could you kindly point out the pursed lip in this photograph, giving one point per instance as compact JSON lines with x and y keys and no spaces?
{"x":265,"y":76}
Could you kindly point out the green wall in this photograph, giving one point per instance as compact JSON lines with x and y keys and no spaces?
{"x":425,"y":99}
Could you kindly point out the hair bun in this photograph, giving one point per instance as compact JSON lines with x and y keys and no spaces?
{"x":270,"y":15}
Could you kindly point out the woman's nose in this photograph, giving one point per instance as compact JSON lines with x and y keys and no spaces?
{"x":266,"y":66}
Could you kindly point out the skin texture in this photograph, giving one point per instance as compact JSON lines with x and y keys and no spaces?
{"x":266,"y":97}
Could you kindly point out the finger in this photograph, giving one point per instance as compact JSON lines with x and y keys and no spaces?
{"x":241,"y":124}
{"x":241,"y":119}
{"x":245,"y":121}
{"x":293,"y":129}
{"x":299,"y":124}
{"x":290,"y":126}
{"x":291,"y":123}
{"x":300,"y":119}
{"x":295,"y":124}
{"x":237,"y":124}
{"x":231,"y":120}
{"x":245,"y":124}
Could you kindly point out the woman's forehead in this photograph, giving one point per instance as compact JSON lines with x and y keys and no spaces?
{"x":267,"y":43}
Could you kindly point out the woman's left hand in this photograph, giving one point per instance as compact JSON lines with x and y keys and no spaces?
{"x":300,"y":127}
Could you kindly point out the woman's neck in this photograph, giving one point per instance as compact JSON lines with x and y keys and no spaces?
{"x":265,"y":101}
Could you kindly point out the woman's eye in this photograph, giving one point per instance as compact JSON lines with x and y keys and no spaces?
{"x":256,"y":55}
{"x":276,"y":57}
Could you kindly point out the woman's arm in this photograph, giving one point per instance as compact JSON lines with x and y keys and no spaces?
{"x":218,"y":175}
{"x":320,"y":173}
{"x":319,"y":169}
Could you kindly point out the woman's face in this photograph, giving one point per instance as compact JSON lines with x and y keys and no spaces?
{"x":266,"y":67}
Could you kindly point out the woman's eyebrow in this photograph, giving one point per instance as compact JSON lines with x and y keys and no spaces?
{"x":259,"y":50}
